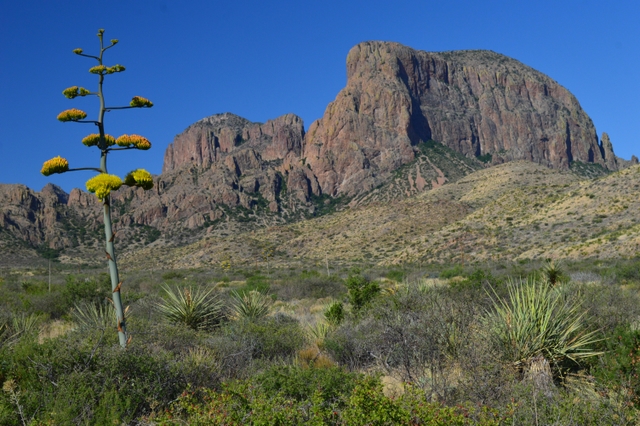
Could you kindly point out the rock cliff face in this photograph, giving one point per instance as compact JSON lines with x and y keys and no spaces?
{"x":374,"y":144}
{"x":475,"y":102}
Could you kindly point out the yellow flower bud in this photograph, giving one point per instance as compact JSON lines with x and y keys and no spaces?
{"x":115,"y":68}
{"x":55,"y":165}
{"x":94,"y":139}
{"x":114,"y":41}
{"x":70,"y":92}
{"x":139,"y":177}
{"x":77,"y":51}
{"x":72,"y":115}
{"x":137,"y":141}
{"x":103,"y":184}
{"x":98,"y":69}
{"x":140,"y":102}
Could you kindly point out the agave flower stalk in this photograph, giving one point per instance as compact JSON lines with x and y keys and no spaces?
{"x":103,"y":183}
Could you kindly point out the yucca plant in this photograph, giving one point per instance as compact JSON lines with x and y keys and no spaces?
{"x":198,"y":309}
{"x":19,"y":326}
{"x":90,"y":316}
{"x":537,"y":320}
{"x":103,"y":183}
{"x":553,"y":273}
{"x":252,"y":305}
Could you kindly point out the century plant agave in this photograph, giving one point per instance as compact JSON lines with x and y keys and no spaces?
{"x":198,"y":309}
{"x":537,"y":320}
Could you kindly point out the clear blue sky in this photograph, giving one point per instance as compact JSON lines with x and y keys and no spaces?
{"x":262,"y":59}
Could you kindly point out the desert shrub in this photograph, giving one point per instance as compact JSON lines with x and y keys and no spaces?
{"x":300,"y":384}
{"x":257,"y":282}
{"x":361,"y":290}
{"x":198,"y":309}
{"x":78,"y":379}
{"x":172,"y":275}
{"x":456,"y":271}
{"x":335,"y":313}
{"x":276,"y":337}
{"x":86,"y":289}
{"x":369,"y":406}
{"x":478,"y":279}
{"x":395,"y":275}
{"x":619,"y":367}
{"x":610,"y":306}
{"x":314,"y":286}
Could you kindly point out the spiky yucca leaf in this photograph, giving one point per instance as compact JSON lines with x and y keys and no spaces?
{"x":537,"y":320}
{"x":19,"y":326}
{"x":252,"y":305}
{"x":317,"y":332}
{"x":89,"y":316}
{"x":198,"y":309}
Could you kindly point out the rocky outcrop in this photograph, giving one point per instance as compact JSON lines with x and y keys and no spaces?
{"x":475,"y":102}
{"x":207,"y":141}
{"x":374,"y":144}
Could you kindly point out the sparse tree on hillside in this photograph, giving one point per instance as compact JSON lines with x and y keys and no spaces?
{"x":103,"y":183}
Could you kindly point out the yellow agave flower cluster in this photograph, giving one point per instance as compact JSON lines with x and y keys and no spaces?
{"x":74,"y":91}
{"x":141,"y":178}
{"x":102,"y":69}
{"x":55,"y":165}
{"x":140,"y":102}
{"x":77,"y":51}
{"x":72,"y":115}
{"x":136,"y":141}
{"x":103,"y":184}
{"x":94,"y":139}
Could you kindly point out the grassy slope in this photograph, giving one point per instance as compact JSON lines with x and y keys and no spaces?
{"x":515,"y":210}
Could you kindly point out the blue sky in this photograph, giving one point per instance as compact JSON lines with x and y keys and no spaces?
{"x":263,"y":59}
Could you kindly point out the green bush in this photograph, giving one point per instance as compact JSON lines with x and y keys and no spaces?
{"x":85,"y":289}
{"x":79,"y":380}
{"x":301,"y":384}
{"x":395,"y":275}
{"x":361,"y":291}
{"x":456,"y":271}
{"x":335,"y":313}
{"x":276,"y":337}
{"x":311,"y":286}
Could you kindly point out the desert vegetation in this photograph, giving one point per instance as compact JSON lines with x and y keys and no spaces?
{"x":494,"y":343}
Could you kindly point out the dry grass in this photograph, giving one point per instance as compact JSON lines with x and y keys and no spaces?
{"x":512,"y":211}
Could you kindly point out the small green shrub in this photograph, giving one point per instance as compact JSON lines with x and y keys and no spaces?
{"x":361,"y":291}
{"x":334,"y":313}
{"x":85,"y":289}
{"x":395,"y":275}
{"x":456,"y":271}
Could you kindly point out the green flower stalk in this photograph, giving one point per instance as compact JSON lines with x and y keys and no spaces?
{"x":104,"y":183}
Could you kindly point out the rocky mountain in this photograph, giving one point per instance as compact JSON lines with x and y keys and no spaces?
{"x":407,"y":122}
